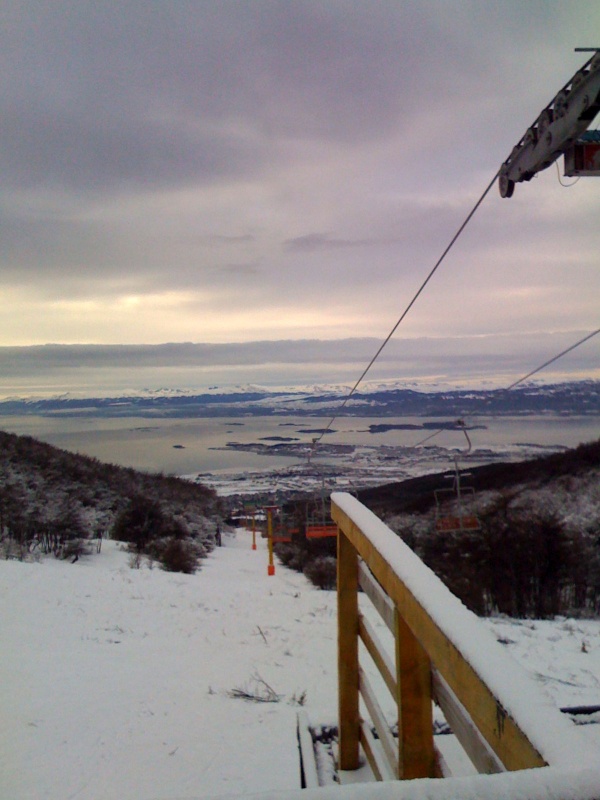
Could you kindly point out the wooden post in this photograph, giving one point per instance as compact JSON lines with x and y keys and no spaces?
{"x":481,"y":708}
{"x":415,"y":724}
{"x":347,"y":592}
{"x":271,"y":566}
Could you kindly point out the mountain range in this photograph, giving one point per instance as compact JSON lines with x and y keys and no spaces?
{"x":571,"y":398}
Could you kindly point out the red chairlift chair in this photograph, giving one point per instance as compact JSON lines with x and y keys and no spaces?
{"x":460,"y":520}
{"x":318,"y":518}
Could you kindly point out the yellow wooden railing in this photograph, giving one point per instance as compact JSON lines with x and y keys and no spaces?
{"x":442,"y":653}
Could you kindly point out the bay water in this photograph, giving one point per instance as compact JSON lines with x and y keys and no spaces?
{"x":187,"y":446}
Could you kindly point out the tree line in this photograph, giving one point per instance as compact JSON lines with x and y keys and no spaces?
{"x":54,"y":501}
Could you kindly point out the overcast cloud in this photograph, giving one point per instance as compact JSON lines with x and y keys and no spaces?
{"x":226,"y":172}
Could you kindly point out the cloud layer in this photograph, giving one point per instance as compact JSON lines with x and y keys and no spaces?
{"x":455,"y":361}
{"x":236,"y":172}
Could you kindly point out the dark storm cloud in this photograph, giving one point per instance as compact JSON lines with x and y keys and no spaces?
{"x":100,"y":150}
{"x":60,"y":245}
{"x":117,"y":95}
{"x":140,"y":95}
{"x":88,"y":255}
{"x":28,"y":360}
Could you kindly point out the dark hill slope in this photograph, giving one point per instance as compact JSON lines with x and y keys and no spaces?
{"x":416,"y":495}
{"x":535,"y":550}
{"x":52,"y":494}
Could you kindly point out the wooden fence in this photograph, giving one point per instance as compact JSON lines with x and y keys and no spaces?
{"x":443,"y":653}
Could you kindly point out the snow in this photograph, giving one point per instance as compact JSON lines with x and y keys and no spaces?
{"x":547,"y":784}
{"x":551,"y":733}
{"x":116,"y":683}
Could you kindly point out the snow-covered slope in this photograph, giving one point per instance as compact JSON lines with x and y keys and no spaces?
{"x":114,"y":682}
{"x":117,"y":683}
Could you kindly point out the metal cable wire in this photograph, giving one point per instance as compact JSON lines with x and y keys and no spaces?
{"x":402,"y":316}
{"x":529,"y":375}
{"x":553,"y":359}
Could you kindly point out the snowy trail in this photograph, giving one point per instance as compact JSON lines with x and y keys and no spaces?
{"x":115,"y":681}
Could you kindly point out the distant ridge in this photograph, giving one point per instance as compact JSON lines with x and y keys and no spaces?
{"x":571,"y":398}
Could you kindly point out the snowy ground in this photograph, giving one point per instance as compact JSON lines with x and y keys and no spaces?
{"x":116,"y":683}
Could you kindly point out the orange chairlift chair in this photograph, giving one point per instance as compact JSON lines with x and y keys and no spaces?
{"x":283,"y":527}
{"x":318,"y":518}
{"x":460,"y":519}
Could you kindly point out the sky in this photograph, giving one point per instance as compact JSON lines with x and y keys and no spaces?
{"x":273,"y":174}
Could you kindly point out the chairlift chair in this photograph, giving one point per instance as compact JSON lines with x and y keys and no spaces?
{"x":278,"y":531}
{"x":461,"y":520}
{"x":284,"y":530}
{"x":318,"y":518}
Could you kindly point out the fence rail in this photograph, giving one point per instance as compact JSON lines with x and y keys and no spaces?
{"x":442,"y":653}
{"x":525,"y":746}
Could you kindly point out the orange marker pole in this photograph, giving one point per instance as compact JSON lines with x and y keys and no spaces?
{"x":269,"y":510}
{"x":253,"y":530}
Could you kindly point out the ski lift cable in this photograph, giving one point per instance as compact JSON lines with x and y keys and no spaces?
{"x":404,"y":313}
{"x":553,"y":359}
{"x":431,"y":435}
{"x":418,"y":293}
{"x":525,"y":377}
{"x":456,"y":523}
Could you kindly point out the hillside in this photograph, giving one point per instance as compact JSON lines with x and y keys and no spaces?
{"x":417,"y":494}
{"x":121,"y":683}
{"x":533,"y":547}
{"x":54,"y":500}
{"x":535,"y":550}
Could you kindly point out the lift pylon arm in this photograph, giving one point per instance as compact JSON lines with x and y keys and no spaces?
{"x":556,"y":129}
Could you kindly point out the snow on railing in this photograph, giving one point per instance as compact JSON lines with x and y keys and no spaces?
{"x":443,"y":653}
{"x":534,"y":784}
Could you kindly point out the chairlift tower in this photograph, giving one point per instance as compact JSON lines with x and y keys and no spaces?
{"x":560,"y":129}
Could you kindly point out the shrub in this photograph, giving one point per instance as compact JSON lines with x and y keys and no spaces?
{"x":322,"y":571}
{"x":180,"y":555}
{"x":137,"y":524}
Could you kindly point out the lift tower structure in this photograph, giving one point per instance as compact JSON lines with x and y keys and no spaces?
{"x":560,"y":130}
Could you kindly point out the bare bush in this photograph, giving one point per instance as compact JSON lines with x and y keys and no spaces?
{"x":180,"y":555}
{"x":256,"y":690}
{"x":322,"y":571}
